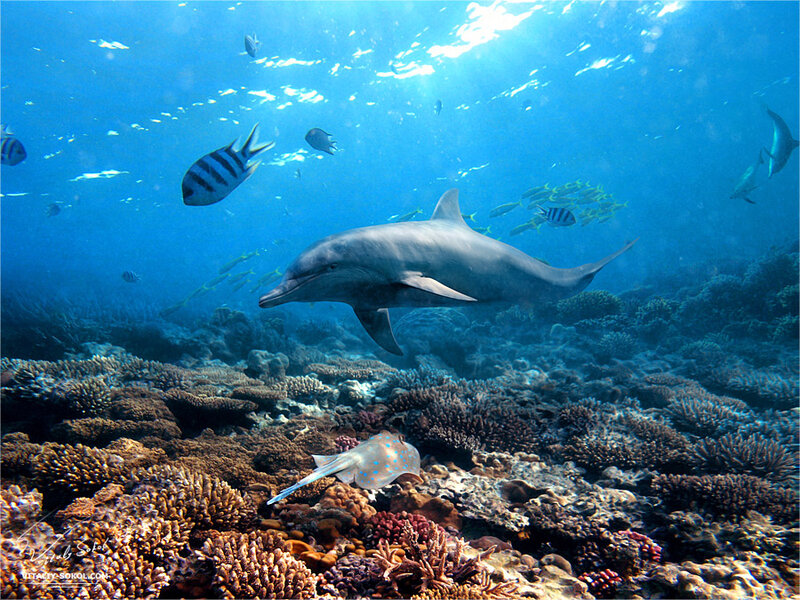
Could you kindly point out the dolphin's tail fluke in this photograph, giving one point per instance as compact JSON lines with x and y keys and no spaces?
{"x":578,"y":278}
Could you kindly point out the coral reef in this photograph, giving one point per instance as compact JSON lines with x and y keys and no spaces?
{"x":640,"y":445}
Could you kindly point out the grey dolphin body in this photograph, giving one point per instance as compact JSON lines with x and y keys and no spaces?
{"x":440,"y":262}
{"x":747,"y":182}
{"x":782,"y":144}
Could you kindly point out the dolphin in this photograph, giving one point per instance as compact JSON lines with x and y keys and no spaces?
{"x":747,"y":182}
{"x":440,"y":262}
{"x":782,"y":144}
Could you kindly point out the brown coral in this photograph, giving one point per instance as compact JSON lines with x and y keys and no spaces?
{"x":70,"y":471}
{"x":255,"y":566}
{"x":349,"y":499}
{"x":337,"y":369}
{"x":205,"y":501}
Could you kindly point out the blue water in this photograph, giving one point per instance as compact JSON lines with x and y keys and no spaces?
{"x":661,"y":104}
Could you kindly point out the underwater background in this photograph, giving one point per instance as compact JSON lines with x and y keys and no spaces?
{"x":637,"y":439}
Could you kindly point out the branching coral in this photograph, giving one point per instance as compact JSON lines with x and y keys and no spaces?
{"x":702,"y":413}
{"x":70,"y":471}
{"x":257,"y":565}
{"x":752,"y":455}
{"x":206,"y":501}
{"x":438,"y":564}
{"x":588,"y":305}
{"x":726,"y":495}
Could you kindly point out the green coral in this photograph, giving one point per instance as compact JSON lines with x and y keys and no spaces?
{"x":616,"y":344}
{"x":588,"y":305}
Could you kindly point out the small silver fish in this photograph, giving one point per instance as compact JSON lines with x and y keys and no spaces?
{"x":251,"y":45}
{"x":371,"y":465}
{"x":406,"y":217}
{"x":214,"y":176}
{"x":499,"y":211}
{"x":437,"y":108}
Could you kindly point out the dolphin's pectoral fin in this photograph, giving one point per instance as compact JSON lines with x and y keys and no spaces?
{"x":748,"y":200}
{"x":432,"y":286}
{"x":377,"y":324}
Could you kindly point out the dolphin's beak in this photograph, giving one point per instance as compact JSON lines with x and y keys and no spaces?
{"x":277,"y":295}
{"x":283,"y":292}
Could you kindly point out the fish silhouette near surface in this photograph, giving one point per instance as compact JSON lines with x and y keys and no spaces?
{"x":13,"y":152}
{"x":251,"y":45}
{"x":747,"y":182}
{"x":130,"y":277}
{"x":783,"y":144}
{"x":437,"y":108}
{"x":320,"y":140}
{"x":371,"y":465}
{"x":439,"y":262}
{"x":214,"y":176}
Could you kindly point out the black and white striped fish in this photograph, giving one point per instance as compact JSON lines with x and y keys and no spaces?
{"x":13,"y":152}
{"x":130,"y":277}
{"x":251,"y":45}
{"x":216,"y":175}
{"x":557,"y":217}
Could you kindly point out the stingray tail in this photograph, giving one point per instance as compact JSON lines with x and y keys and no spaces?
{"x":335,"y":464}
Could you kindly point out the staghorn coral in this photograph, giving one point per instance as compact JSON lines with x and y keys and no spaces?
{"x":439,"y":563}
{"x":752,"y":455}
{"x":255,"y":566}
{"x":705,"y":414}
{"x":726,"y":495}
{"x":761,"y":388}
{"x":465,"y":425}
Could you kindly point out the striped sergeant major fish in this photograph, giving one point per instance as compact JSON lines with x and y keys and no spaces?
{"x":217,"y":174}
{"x":13,"y":152}
{"x":130,"y":277}
{"x":557,"y":217}
{"x":251,"y":45}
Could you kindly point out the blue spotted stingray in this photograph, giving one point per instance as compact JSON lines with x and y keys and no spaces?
{"x":372,"y":464}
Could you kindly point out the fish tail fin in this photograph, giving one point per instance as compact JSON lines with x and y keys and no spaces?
{"x":251,"y":146}
{"x":251,"y":169}
{"x":795,"y":143}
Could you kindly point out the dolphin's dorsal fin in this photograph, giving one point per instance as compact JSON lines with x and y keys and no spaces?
{"x":379,"y":328}
{"x":447,"y":209}
{"x":432,"y":286}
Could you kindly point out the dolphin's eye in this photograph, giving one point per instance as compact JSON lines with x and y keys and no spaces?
{"x":332,"y":266}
